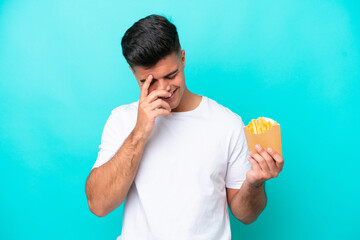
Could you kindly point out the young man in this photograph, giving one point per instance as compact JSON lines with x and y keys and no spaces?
{"x":180,"y":159}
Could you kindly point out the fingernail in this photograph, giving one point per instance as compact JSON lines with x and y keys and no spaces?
{"x":257,"y":146}
{"x":270,"y":150}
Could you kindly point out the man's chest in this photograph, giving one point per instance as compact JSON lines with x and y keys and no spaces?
{"x":177,"y":151}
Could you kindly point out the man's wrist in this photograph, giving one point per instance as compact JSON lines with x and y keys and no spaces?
{"x":255,"y":186}
{"x":138,"y":136}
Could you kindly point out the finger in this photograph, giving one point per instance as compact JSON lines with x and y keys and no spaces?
{"x":161,"y":111}
{"x":268,"y":158}
{"x":145,"y":87}
{"x":255,"y":164}
{"x":261,"y":161}
{"x":156,"y":94}
{"x":160,"y":103}
{"x":277,"y":157}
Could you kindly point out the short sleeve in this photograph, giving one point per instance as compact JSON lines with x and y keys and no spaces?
{"x":112,"y":138}
{"x":238,"y":164}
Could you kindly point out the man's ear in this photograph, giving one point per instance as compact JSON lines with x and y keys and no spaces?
{"x":183,"y":57}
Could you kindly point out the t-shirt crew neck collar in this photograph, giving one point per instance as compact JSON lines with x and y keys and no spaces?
{"x":194,"y":111}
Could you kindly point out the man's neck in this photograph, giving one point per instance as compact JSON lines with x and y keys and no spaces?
{"x":189,"y":102}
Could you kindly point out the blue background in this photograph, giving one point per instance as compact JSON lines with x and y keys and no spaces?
{"x":62,"y":72}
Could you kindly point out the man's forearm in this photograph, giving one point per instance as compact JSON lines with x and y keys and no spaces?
{"x":249,"y":202}
{"x":108,"y":185}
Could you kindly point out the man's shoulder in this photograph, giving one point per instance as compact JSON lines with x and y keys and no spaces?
{"x":123,"y":115}
{"x":222,"y":112}
{"x":125,"y":108}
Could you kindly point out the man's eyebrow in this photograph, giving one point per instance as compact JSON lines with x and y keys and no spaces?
{"x":166,"y":76}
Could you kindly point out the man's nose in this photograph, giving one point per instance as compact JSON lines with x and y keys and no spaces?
{"x":163,"y":85}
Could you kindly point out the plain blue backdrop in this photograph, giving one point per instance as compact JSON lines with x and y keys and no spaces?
{"x":62,"y":72}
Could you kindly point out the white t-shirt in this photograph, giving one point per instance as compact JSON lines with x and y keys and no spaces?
{"x":179,"y":192}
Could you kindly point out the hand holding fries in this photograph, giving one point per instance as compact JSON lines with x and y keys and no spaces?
{"x":265,"y":165}
{"x":263,"y":133}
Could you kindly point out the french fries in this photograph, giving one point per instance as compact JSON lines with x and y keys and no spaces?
{"x":260,"y":125}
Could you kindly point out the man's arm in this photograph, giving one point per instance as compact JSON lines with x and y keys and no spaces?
{"x":108,"y":185}
{"x":248,"y":202}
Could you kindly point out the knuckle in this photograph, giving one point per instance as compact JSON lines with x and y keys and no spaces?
{"x":267,"y":175}
{"x":163,"y":111}
{"x":268,"y":158}
{"x":161,"y":91}
{"x":152,"y":93}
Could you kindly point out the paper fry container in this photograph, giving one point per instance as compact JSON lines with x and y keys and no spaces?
{"x":271,"y":138}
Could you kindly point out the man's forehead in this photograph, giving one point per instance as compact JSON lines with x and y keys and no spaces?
{"x":157,"y":75}
{"x":153,"y":70}
{"x":157,"y":71}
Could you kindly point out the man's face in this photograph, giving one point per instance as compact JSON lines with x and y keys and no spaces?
{"x":168,"y":74}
